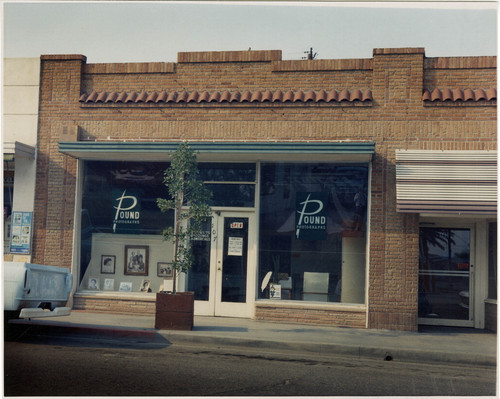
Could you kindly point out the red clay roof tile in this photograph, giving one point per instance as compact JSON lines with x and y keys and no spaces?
{"x":288,"y":96}
{"x":246,"y":96}
{"x":491,"y":94}
{"x":267,"y":96}
{"x":226,"y":96}
{"x":459,"y":94}
{"x":236,"y":96}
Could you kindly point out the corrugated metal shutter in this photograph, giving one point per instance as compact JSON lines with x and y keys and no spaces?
{"x":446,"y":181}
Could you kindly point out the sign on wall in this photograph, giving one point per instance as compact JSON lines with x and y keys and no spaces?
{"x":127,"y":217}
{"x":20,"y":238}
{"x":311,"y":216}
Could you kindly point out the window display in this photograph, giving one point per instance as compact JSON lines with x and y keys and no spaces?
{"x":121,"y":226}
{"x":313,"y":231}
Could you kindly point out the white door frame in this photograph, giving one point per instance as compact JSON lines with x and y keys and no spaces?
{"x":214,"y":306}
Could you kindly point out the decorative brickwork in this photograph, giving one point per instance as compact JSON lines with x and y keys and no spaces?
{"x":395,"y":119}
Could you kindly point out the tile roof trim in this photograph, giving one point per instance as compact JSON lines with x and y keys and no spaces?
{"x":459,"y":95}
{"x":175,"y":97}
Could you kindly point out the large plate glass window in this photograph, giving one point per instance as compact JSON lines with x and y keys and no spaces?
{"x":122,"y":247}
{"x":313,"y":232}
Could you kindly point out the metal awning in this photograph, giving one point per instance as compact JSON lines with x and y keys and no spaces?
{"x":14,"y":149}
{"x":441,"y":182}
{"x":223,"y":151}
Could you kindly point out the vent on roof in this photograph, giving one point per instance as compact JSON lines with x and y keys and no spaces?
{"x":226,"y":96}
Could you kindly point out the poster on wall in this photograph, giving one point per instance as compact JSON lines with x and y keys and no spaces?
{"x":20,"y":239}
{"x":311,"y":215}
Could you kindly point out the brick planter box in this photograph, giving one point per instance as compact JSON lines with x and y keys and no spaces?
{"x":174,"y":311}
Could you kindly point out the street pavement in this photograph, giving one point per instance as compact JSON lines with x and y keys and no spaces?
{"x":461,"y":346}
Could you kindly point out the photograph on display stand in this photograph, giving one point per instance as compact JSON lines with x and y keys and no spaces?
{"x":136,"y":260}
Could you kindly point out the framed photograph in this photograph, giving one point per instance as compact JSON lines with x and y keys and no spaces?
{"x":109,"y":284}
{"x":125,"y":286}
{"x":136,"y":260}
{"x":93,"y":283}
{"x":108,"y":264}
{"x":145,"y":285}
{"x":165,"y":269}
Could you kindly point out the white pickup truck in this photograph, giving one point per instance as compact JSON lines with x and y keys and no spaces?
{"x":36,"y":290}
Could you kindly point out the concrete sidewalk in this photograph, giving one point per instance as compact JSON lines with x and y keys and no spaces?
{"x":430,"y":344}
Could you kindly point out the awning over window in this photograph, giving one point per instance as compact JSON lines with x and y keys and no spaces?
{"x":14,"y":149}
{"x":223,"y":151}
{"x":446,"y":181}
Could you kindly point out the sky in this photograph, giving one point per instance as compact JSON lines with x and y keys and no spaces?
{"x":156,"y":31}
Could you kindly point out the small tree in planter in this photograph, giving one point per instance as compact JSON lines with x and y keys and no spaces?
{"x":188,"y":200}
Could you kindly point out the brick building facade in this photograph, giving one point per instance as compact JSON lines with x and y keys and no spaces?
{"x":401,"y":126}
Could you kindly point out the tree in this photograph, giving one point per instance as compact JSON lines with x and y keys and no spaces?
{"x":189,"y":201}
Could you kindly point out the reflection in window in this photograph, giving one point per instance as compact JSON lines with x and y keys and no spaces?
{"x":231,"y":184}
{"x":313,"y":231}
{"x":199,"y":274}
{"x":227,"y":172}
{"x":444,"y":273}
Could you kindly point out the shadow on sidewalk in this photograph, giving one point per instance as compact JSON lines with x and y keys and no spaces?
{"x":84,"y":336}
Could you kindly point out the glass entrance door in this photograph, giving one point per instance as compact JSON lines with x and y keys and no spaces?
{"x":445,"y":276}
{"x":224,"y":263}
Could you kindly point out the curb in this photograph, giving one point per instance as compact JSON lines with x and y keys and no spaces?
{"x":358,"y":351}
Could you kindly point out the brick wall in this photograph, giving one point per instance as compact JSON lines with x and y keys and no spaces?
{"x":144,"y":305}
{"x":311,"y":315}
{"x":396,"y":119}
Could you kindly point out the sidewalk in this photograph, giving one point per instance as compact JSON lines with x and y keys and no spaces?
{"x":431,"y":344}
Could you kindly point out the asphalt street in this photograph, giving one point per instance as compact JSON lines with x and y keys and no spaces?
{"x":98,"y":366}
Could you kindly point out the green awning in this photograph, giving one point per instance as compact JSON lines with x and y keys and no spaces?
{"x":222,"y":151}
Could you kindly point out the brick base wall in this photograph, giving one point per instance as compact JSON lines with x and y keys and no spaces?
{"x":112,"y":304}
{"x":490,"y":320}
{"x":311,"y":315}
{"x":402,"y":321}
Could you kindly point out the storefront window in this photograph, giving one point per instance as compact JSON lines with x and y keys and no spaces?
{"x":122,"y":247}
{"x":313,"y":232}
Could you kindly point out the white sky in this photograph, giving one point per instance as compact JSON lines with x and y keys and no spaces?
{"x":157,"y":31}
